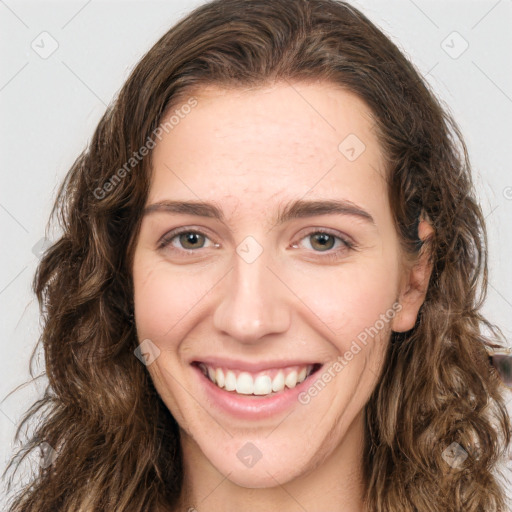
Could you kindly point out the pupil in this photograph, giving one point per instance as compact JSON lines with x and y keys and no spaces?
{"x":191,"y":238}
{"x":322,"y":238}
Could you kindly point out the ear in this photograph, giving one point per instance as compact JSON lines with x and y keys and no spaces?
{"x":414,"y":284}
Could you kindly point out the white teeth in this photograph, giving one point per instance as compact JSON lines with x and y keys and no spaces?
{"x":219,"y":377}
{"x":261,"y":384}
{"x":291,"y":379}
{"x":244,"y":384}
{"x":278,"y":382}
{"x":230,"y":382}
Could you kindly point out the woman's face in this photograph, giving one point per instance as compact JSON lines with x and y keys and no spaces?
{"x":263,"y":284}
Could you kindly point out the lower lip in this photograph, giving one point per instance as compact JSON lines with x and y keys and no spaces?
{"x":252,"y":407}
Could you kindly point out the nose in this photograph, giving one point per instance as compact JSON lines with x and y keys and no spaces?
{"x":255,"y":301}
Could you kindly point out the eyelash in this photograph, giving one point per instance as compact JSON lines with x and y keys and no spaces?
{"x":331,"y":255}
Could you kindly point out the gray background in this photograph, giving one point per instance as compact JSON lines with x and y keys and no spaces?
{"x":50,"y":105}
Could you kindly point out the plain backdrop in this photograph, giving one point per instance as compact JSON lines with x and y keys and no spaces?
{"x":63,"y":62}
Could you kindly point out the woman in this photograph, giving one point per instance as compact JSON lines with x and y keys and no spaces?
{"x":202,"y":351}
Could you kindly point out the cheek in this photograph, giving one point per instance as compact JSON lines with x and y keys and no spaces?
{"x":347,"y":299}
{"x":163,"y":298}
{"x":352,"y":299}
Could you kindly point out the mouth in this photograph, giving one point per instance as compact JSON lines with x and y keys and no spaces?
{"x":261,"y":384}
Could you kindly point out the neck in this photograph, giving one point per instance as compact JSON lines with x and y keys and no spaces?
{"x":334,"y":484}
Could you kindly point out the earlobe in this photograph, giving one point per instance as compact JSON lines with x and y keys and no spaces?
{"x":415,"y":284}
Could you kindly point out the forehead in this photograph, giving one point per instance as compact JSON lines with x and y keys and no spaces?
{"x":264,"y":143}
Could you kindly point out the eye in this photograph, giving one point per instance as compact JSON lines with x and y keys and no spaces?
{"x":188,"y":239}
{"x":325,"y":239}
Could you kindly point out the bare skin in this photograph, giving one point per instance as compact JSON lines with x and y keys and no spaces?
{"x":250,"y":153}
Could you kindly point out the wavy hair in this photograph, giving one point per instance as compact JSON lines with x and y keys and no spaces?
{"x":117,"y":444}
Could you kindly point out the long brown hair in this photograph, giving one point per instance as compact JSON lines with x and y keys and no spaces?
{"x":117,"y":444}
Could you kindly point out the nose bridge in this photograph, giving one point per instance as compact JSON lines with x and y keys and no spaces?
{"x":252,"y":304}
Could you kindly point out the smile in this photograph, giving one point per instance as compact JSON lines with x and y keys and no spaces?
{"x":264,"y":382}
{"x":251,"y":390}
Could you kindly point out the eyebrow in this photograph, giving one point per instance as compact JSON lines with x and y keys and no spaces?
{"x":296,"y":209}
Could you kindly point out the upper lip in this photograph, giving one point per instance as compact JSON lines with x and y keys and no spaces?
{"x":237,"y":364}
